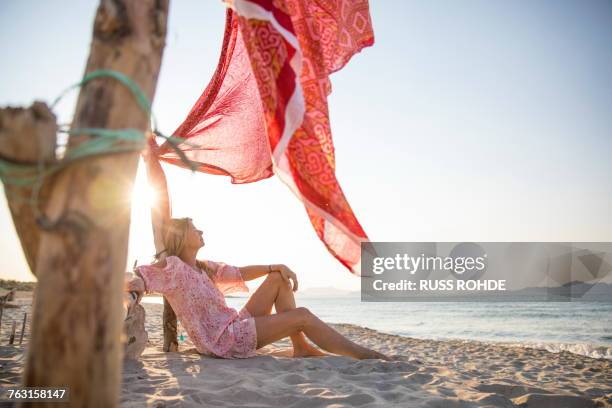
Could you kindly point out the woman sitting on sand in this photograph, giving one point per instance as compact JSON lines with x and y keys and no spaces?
{"x":195,"y":289}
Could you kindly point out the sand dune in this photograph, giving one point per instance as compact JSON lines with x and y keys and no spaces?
{"x":425,"y":374}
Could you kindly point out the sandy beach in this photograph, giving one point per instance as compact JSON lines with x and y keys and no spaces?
{"x":426,"y":373}
{"x":430,"y":179}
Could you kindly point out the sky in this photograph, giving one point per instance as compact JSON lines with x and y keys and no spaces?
{"x":466,"y":121}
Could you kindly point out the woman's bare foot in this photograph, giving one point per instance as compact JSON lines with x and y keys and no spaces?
{"x":309,"y":351}
{"x":376,"y":354}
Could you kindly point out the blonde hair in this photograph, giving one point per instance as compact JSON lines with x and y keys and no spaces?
{"x":175,"y":236}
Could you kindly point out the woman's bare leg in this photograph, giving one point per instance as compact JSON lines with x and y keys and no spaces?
{"x":275,"y":291}
{"x":275,"y":327}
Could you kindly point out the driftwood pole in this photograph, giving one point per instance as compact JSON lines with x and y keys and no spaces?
{"x":27,"y":136}
{"x":80,"y":258}
{"x":160,"y":215}
{"x":12,"y":336}
{"x":23,"y":326}
{"x":170,"y":327}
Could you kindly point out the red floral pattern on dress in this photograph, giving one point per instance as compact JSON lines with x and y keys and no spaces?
{"x":199,"y":303}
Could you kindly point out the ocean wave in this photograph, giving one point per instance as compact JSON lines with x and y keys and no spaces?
{"x":583,"y":349}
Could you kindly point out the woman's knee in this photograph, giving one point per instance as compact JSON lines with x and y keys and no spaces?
{"x":305,"y":317}
{"x":274,"y":277}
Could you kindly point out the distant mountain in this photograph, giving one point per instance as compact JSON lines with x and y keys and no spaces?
{"x":576,"y":290}
{"x":326,"y":291}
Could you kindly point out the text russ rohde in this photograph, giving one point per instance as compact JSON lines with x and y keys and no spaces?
{"x":487,"y":271}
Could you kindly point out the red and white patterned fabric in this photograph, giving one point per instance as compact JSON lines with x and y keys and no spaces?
{"x":265,"y":110}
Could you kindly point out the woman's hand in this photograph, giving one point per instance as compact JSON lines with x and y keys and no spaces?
{"x":151,"y":151}
{"x":136,"y":285}
{"x":287,"y":275}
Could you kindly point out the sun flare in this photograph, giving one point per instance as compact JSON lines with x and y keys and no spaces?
{"x":143,"y":196}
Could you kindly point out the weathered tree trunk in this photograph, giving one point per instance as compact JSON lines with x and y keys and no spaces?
{"x":27,"y":136}
{"x":160,"y":215}
{"x":134,"y":328}
{"x":170,"y":331}
{"x":80,"y":260}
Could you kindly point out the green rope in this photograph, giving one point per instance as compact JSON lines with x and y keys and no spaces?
{"x":140,"y":96}
{"x":104,"y":142}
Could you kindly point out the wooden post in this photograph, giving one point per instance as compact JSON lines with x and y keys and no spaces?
{"x":160,"y":215}
{"x":170,"y":324}
{"x":12,"y":338}
{"x":134,"y":328}
{"x":11,"y":295}
{"x":80,"y":259}
{"x":27,"y":136}
{"x":23,"y":326}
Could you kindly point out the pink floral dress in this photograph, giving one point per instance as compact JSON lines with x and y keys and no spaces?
{"x":199,"y":304}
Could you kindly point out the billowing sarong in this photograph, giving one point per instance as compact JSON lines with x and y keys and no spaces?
{"x":265,"y":110}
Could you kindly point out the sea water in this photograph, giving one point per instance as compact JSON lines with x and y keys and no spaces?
{"x":579,"y":327}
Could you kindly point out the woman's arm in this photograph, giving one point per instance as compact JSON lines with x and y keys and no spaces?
{"x":160,"y":211}
{"x":136,"y":284}
{"x":251,"y":272}
{"x":255,"y":271}
{"x":156,"y":278}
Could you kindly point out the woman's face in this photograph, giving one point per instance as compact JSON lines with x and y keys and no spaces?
{"x":194,"y":237}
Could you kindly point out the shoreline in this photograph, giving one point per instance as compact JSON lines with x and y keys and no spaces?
{"x":590,"y":350}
